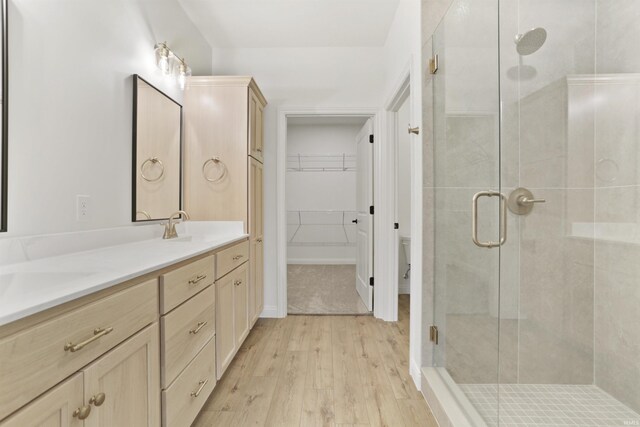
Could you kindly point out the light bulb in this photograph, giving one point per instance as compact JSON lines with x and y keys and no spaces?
{"x":183,"y":73}
{"x":163,"y":63}
{"x":162,"y":57}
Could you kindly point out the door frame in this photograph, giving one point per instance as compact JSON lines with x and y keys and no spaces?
{"x":284,"y":114}
{"x":408,"y":81}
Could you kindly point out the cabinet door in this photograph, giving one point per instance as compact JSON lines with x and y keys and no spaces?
{"x":129,"y":377}
{"x":225,"y":336}
{"x":256,"y":112}
{"x":256,"y":231}
{"x":241,"y":304}
{"x":215,"y":152}
{"x":259,"y":131}
{"x":259,"y":275}
{"x":253,"y":107}
{"x":55,"y":408}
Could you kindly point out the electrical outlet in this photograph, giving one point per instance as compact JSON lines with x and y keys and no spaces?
{"x":83,"y":208}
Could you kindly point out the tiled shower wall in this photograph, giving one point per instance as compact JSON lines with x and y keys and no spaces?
{"x":571,"y":133}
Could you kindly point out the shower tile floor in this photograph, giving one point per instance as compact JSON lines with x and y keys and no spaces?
{"x":549,"y":405}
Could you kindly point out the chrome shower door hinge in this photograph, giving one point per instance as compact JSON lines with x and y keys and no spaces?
{"x":433,"y":334}
{"x":433,"y":64}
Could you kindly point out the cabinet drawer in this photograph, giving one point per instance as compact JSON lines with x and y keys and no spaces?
{"x":185,"y":331}
{"x":182,"y":401}
{"x":37,"y":358}
{"x":230,"y":258}
{"x":179,"y":285}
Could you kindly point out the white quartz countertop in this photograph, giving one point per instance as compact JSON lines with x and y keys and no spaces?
{"x":46,"y":274}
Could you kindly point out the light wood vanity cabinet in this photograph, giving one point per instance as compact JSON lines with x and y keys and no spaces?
{"x":70,"y":341}
{"x":120,"y":388}
{"x":145,"y":354}
{"x":224,"y":152}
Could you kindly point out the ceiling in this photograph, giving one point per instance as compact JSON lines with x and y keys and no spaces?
{"x":292,"y":23}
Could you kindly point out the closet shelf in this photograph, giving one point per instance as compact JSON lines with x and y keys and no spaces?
{"x":321,"y":163}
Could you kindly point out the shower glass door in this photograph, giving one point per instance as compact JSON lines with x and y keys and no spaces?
{"x":536,"y":300}
{"x":467,"y":199}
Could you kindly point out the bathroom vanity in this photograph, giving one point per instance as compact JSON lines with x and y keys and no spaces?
{"x":130,"y":330}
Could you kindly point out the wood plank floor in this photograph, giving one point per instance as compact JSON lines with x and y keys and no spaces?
{"x":320,"y":371}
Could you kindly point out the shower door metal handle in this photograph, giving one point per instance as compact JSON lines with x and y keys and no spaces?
{"x":503,"y":219}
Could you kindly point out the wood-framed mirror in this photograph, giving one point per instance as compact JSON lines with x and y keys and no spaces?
{"x":157,"y":152}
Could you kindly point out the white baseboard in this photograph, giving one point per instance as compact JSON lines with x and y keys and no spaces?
{"x":414,"y":371}
{"x":270,"y":312}
{"x":321,"y":261}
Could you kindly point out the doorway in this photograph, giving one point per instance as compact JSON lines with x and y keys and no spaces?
{"x":329,"y":227}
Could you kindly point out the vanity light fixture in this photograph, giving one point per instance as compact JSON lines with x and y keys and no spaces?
{"x":171,"y":65}
{"x":183,"y":72}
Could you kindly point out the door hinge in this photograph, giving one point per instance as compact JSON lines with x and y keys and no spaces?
{"x":433,"y":334}
{"x":433,"y":64}
{"x":371,"y":210}
{"x":396,"y":226}
{"x":370,"y":281}
{"x":371,"y":139}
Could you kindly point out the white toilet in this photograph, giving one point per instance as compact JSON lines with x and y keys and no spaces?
{"x":405,"y":241}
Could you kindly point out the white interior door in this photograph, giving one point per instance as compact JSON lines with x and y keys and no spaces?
{"x":364,"y":198}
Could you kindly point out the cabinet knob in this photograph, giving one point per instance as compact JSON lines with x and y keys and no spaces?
{"x":97,"y":399}
{"x":82,"y":412}
{"x":238,"y":282}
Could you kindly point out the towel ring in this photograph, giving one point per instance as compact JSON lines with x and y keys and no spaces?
{"x":153,"y":160}
{"x":217,"y":161}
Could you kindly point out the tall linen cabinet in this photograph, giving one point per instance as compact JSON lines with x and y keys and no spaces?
{"x":223,"y":158}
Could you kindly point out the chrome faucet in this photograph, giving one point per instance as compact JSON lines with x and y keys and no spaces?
{"x":170,"y":226}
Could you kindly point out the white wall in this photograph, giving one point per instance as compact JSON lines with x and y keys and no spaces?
{"x":70,"y":103}
{"x":322,"y":191}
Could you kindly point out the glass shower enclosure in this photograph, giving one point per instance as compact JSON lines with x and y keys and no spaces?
{"x":536,"y":200}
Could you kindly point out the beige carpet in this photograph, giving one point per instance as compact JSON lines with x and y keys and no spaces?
{"x":323,"y":289}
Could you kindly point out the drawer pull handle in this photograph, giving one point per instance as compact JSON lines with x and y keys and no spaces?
{"x":199,"y":390}
{"x":198,"y":278}
{"x":97,"y":399}
{"x":237,"y":257}
{"x":259,"y":240}
{"x":198,"y":327}
{"x":97,"y":333}
{"x":82,"y":412}
{"x":238,"y":282}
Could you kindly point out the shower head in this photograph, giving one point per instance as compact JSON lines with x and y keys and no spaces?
{"x":531,"y":41}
